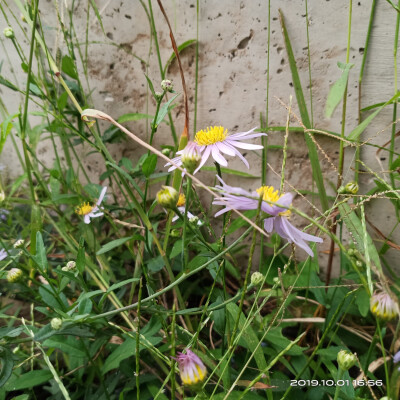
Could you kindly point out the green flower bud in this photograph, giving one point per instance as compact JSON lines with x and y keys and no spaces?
{"x":9,"y":32}
{"x":167,"y":197}
{"x":158,"y":95}
{"x":19,"y":243}
{"x":71,"y":265}
{"x":191,"y":157}
{"x":350,"y":188}
{"x":257,"y":278}
{"x":14,"y":275}
{"x":166,"y":152}
{"x":175,"y":233}
{"x":167,"y":85}
{"x":346,"y":359}
{"x":56,"y":323}
{"x":194,"y":220}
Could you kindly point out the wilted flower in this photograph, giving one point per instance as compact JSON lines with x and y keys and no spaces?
{"x":3,"y":254}
{"x":180,"y":204}
{"x":56,"y":323}
{"x":241,"y":199}
{"x":215,"y":140}
{"x":167,"y":197}
{"x":19,"y":243}
{"x":167,"y":85}
{"x":191,"y":368}
{"x":9,"y":32}
{"x":257,"y":278}
{"x":89,"y":211}
{"x":14,"y":275}
{"x":71,"y":265}
{"x":383,"y":306}
{"x":346,"y":359}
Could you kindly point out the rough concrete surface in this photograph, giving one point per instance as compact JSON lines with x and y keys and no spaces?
{"x":233,"y":42}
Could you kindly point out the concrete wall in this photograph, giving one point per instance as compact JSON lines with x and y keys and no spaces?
{"x":233,"y":38}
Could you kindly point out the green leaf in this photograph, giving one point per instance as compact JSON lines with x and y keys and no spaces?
{"x":5,"y":129}
{"x":155,"y":264}
{"x":8,"y":84}
{"x":312,"y":149}
{"x":133,"y":117}
{"x":248,"y":339}
{"x":29,"y":380}
{"x":81,"y":258}
{"x":62,"y":101}
{"x":173,"y":55}
{"x":67,"y":344}
{"x":96,"y":11}
{"x":6,"y":365}
{"x":232,"y":172}
{"x":176,"y":249}
{"x":40,"y":257}
{"x":113,"y":244}
{"x":358,"y":130}
{"x":149,"y":165}
{"x":362,"y":301}
{"x":164,"y":110}
{"x":353,"y":224}
{"x":68,"y":67}
{"x":151,"y":87}
{"x":337,"y":90}
{"x":122,"y":283}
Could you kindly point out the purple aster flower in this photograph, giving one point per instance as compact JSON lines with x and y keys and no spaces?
{"x":191,"y":368}
{"x":89,"y":211}
{"x":396,"y":357}
{"x":278,"y":220}
{"x":215,"y":141}
{"x":3,"y":254}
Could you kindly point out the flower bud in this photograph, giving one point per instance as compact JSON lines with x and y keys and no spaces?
{"x":166,"y":152}
{"x":191,"y":156}
{"x":346,"y":359}
{"x":14,"y":275}
{"x":167,"y":197}
{"x":19,"y":243}
{"x":56,"y":323}
{"x":191,"y":368}
{"x":257,"y":278}
{"x":70,"y":266}
{"x":194,"y":220}
{"x":167,"y":85}
{"x":2,"y":196}
{"x":175,"y":233}
{"x":382,"y":306}
{"x":350,"y":188}
{"x":9,"y":32}
{"x":158,"y":95}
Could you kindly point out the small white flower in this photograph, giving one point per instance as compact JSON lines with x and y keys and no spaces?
{"x":181,"y":207}
{"x":89,"y":211}
{"x":19,"y":243}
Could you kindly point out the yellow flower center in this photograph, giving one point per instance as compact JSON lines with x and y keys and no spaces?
{"x":269,"y":193}
{"x":211,"y":135}
{"x":84,"y":209}
{"x":181,"y":201}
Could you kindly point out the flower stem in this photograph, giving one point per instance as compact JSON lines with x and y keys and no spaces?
{"x":337,"y":390}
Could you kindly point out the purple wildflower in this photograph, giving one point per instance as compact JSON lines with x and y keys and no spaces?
{"x":213,"y":141}
{"x":3,"y":254}
{"x":274,"y":204}
{"x":191,"y":368}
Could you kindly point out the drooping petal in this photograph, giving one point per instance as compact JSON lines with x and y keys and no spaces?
{"x":269,"y":224}
{"x":86,"y":219}
{"x":204,"y":158}
{"x":218,"y":157}
{"x":246,"y":146}
{"x":102,"y":194}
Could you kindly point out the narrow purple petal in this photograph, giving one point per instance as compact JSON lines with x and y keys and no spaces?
{"x":269,"y":224}
{"x":225,"y":149}
{"x":102,"y":194}
{"x":396,"y":357}
{"x":204,"y":158}
{"x":246,"y":146}
{"x":217,"y":156}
